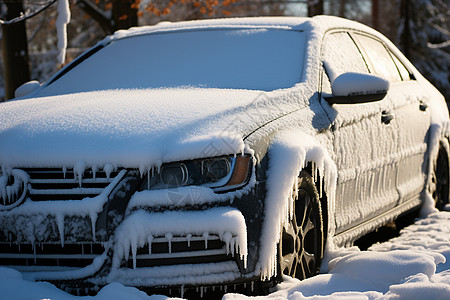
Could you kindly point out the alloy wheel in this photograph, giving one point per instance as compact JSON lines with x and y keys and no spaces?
{"x":301,"y":245}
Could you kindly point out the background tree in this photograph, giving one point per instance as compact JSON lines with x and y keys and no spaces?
{"x":424,"y":37}
{"x":315,"y":7}
{"x":422,"y":32}
{"x":14,"y":47}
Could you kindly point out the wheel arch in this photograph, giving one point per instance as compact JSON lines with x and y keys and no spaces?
{"x":288,"y":153}
{"x":438,"y":138}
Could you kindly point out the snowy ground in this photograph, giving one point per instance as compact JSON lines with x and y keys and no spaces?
{"x":415,"y":265}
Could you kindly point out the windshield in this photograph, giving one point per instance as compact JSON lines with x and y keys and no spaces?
{"x":255,"y":59}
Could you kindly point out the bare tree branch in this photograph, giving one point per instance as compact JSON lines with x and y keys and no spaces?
{"x":24,"y":17}
{"x":100,"y":16}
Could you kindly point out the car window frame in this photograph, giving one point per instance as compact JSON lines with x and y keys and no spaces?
{"x":354,"y":34}
{"x":323,"y":71}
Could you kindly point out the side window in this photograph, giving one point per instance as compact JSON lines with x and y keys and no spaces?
{"x":401,"y":68}
{"x":381,"y":61}
{"x":340,"y":55}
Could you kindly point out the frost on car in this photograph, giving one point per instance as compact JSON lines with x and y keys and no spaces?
{"x":220,"y":153}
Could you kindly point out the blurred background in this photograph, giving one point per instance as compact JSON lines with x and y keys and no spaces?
{"x":420,"y":28}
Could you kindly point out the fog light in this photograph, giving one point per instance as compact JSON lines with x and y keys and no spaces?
{"x":12,"y":188}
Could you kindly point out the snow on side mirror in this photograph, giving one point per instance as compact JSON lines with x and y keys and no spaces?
{"x":352,"y":88}
{"x":27,"y":88}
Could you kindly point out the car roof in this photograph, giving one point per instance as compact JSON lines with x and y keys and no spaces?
{"x":317,"y":23}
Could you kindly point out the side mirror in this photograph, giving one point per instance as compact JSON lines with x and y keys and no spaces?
{"x":352,"y":88}
{"x":27,"y":88}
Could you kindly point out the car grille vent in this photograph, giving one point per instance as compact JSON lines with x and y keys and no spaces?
{"x":49,"y":254}
{"x":55,"y":184}
{"x":181,"y":250}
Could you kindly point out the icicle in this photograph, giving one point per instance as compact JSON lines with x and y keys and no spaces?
{"x":60,"y":223}
{"x":232,"y":246}
{"x":78,"y":170}
{"x":8,"y":194}
{"x":227,"y":239}
{"x":182,"y":291}
{"x":201,"y":292}
{"x":108,"y":168}
{"x":169,"y":237}
{"x":320,"y":186}
{"x":313,"y":165}
{"x":134,"y":253}
{"x":159,"y":165}
{"x":93,"y":217}
{"x":126,"y":249}
{"x":149,"y":241}
{"x":141,"y":170}
{"x":148,"y":178}
{"x":94,"y":172}
{"x":252,"y":286}
{"x":188,"y":238}
{"x":64,"y":169}
{"x":205,"y":236}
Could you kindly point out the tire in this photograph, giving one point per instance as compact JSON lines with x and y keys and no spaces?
{"x":302,"y":242}
{"x":440,"y":175}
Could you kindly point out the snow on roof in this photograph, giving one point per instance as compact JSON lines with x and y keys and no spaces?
{"x":287,"y":23}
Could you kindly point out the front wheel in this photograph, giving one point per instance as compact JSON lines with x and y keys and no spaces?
{"x":302,"y":241}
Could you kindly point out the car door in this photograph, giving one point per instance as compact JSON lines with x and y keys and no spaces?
{"x":365,"y":142}
{"x":412,"y":116}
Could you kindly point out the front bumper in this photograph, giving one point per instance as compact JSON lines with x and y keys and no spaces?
{"x":147,"y":247}
{"x":162,"y":249}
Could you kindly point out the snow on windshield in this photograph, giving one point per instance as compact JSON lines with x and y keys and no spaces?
{"x":254,"y":59}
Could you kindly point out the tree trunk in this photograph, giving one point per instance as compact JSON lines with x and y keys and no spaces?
{"x":375,"y":14}
{"x":315,"y":7}
{"x":124,"y":15}
{"x":405,"y":35}
{"x":342,"y":8}
{"x":14,"y":49}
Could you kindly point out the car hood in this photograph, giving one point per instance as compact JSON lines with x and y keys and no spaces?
{"x":129,"y":128}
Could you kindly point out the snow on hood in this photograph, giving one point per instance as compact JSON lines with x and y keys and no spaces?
{"x":129,"y":128}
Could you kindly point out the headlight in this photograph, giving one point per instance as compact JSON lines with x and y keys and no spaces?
{"x":216,"y":168}
{"x":174,"y":175}
{"x":221,"y":173}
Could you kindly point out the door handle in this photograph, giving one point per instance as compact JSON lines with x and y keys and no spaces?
{"x":386,"y":117}
{"x":423,"y":106}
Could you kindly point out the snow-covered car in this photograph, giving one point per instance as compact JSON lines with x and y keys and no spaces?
{"x":217,"y":153}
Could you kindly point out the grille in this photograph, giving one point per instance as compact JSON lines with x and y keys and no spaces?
{"x":55,"y":184}
{"x":181,"y":250}
{"x":49,"y":254}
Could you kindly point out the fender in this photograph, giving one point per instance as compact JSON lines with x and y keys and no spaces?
{"x":289,"y":152}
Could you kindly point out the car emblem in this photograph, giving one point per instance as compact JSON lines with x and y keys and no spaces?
{"x":13,"y":188}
